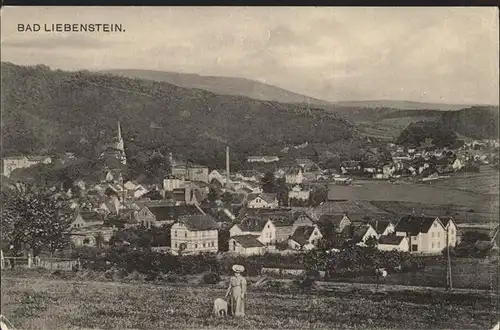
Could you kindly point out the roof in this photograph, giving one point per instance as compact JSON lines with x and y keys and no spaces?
{"x":199,"y":222}
{"x":415,"y":224}
{"x":293,"y":171}
{"x":390,"y":239}
{"x":253,"y":224}
{"x":248,"y":241}
{"x":379,"y":225}
{"x":171,"y":212}
{"x":359,"y":233}
{"x":333,"y":219}
{"x":445,"y":220}
{"x":90,"y":216}
{"x":302,"y":233}
{"x":268,"y":197}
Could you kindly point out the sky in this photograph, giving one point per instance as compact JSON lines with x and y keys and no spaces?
{"x":446,"y":55}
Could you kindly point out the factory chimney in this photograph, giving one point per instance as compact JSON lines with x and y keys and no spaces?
{"x":227,"y":166}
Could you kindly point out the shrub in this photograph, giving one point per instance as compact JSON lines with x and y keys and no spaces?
{"x":211,"y":278}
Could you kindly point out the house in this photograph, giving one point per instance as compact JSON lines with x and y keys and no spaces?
{"x":85,"y":219}
{"x":90,"y":236}
{"x":217,"y":176}
{"x":294,"y":175}
{"x":194,"y":234}
{"x":458,"y":164}
{"x":250,"y":175}
{"x":350,"y":167}
{"x":393,"y":243}
{"x":306,"y":164}
{"x":337,"y":221}
{"x":298,"y":193}
{"x":382,"y":227}
{"x":362,"y":233}
{"x":110,"y":204}
{"x":425,"y":234}
{"x":301,"y":218}
{"x":158,"y":215}
{"x":246,"y":245}
{"x":305,"y":238}
{"x":263,"y":159}
{"x":197,"y":173}
{"x":171,"y":182}
{"x":16,"y":162}
{"x":262,"y":228}
{"x":262,"y":200}
{"x":451,"y":228}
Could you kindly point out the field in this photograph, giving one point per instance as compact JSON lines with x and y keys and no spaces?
{"x":471,"y":197}
{"x":52,"y":303}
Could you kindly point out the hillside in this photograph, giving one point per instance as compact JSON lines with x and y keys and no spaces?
{"x":222,"y":85}
{"x":475,"y":122}
{"x":54,"y":111}
{"x":402,"y":105}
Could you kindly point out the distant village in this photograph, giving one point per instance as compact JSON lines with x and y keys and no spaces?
{"x":194,"y":202}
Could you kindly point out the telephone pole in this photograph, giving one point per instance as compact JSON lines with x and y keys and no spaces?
{"x":449,"y":283}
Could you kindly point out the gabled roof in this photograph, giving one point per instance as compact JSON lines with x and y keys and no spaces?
{"x":199,"y":222}
{"x":415,"y":224}
{"x":302,"y":233}
{"x":268,"y":197}
{"x":294,"y":170}
{"x":446,"y":220}
{"x":252,"y":224}
{"x":248,"y":241}
{"x":91,"y":216}
{"x":170,"y":212}
{"x":390,"y":239}
{"x":379,"y":225}
{"x":359,"y":233}
{"x":333,"y":219}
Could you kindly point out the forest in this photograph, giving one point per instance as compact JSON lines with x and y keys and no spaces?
{"x":53,"y":111}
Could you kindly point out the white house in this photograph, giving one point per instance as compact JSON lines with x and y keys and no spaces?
{"x":451,"y":228}
{"x":170,"y":183}
{"x":194,"y":234}
{"x":246,"y":245}
{"x":338,"y":221}
{"x":298,"y":193}
{"x":294,"y":175}
{"x":15,"y":162}
{"x":262,"y":201}
{"x":362,"y":233}
{"x":383,"y":227}
{"x":305,"y":238}
{"x":458,"y":164}
{"x":87,"y":219}
{"x":264,"y":230}
{"x":425,"y":234}
{"x":393,"y":242}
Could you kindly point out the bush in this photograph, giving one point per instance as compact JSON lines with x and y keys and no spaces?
{"x":211,"y":278}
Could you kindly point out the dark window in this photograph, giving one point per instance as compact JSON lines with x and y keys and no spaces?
{"x":196,"y":246}
{"x":414,"y":247}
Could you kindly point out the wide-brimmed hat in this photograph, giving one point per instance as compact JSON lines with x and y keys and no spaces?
{"x":238,"y":268}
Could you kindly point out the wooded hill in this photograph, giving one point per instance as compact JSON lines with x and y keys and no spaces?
{"x":51,"y":111}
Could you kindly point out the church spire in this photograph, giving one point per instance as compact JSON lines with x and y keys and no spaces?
{"x":119,"y":132}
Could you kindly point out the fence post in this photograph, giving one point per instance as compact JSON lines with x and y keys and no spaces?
{"x":30,"y":260}
{"x":2,"y":262}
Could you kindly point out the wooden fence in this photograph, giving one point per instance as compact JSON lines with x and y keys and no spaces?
{"x":47,"y":263}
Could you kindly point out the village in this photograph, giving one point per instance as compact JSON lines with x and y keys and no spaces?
{"x":285,"y":209}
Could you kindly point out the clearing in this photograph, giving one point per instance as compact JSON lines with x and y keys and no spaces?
{"x":49,"y":303}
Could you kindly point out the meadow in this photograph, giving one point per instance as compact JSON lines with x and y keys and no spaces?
{"x":49,"y":302}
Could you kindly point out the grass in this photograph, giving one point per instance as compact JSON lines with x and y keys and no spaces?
{"x":49,"y":303}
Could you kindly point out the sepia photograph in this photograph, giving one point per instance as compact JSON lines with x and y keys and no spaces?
{"x":249,"y":168}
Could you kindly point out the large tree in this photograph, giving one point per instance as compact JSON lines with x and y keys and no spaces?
{"x":268,"y":183}
{"x":34,"y":219}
